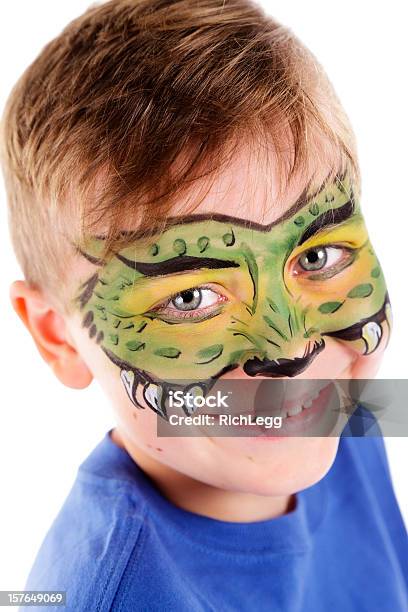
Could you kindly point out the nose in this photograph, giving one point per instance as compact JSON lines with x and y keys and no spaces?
{"x":283,"y":366}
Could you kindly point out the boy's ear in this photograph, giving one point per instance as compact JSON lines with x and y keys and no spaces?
{"x":48,"y":329}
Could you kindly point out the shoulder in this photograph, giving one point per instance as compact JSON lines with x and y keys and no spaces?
{"x":361,"y":472}
{"x":87,"y":548}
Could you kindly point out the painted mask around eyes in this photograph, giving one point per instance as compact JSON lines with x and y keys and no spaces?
{"x":213,"y":292}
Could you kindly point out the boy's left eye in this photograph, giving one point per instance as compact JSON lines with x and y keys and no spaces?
{"x":323,"y":258}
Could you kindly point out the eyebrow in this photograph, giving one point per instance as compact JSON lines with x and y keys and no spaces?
{"x":181,"y":263}
{"x":330,"y":217}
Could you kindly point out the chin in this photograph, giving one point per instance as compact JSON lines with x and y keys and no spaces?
{"x":299,"y":464}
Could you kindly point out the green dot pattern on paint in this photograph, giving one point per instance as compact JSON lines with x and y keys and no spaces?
{"x":228,"y":239}
{"x":179,"y":246}
{"x":361,"y":291}
{"x":210,"y":351}
{"x":329,"y":307}
{"x":314,"y":209}
{"x":114,"y":338}
{"x":133,"y":345}
{"x":203,"y":243}
{"x":168,"y":351}
{"x":375,"y":272}
{"x":299,"y":221}
{"x":154,"y":249}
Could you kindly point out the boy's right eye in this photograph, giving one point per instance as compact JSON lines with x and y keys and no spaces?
{"x":192,"y":303}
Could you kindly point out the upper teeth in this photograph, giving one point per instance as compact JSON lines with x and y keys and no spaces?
{"x":297,"y":409}
{"x":294,"y":411}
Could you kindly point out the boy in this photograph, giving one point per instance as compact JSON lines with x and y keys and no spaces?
{"x":184,"y":201}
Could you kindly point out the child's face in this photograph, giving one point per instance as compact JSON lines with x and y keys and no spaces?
{"x":264,"y":288}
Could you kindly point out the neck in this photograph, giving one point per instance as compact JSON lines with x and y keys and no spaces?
{"x":201,"y":498}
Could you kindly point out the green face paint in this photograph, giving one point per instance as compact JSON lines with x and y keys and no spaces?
{"x":213,"y":292}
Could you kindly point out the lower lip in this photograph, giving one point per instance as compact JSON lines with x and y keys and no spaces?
{"x":291,"y":425}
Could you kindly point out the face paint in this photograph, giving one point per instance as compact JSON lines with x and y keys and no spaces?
{"x":214,"y":292}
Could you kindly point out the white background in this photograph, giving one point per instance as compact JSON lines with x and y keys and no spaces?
{"x":46,"y":429}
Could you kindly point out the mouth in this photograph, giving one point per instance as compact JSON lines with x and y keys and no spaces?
{"x":295,"y":403}
{"x":313,"y":414}
{"x":308,"y":413}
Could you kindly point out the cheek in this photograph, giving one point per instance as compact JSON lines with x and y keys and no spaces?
{"x":340,"y":360}
{"x":336,"y":361}
{"x":354,"y":294}
{"x":367,"y":366}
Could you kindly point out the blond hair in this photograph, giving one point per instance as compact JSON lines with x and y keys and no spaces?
{"x":131,"y":86}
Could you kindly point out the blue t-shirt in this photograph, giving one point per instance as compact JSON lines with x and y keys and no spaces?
{"x":119,"y":544}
